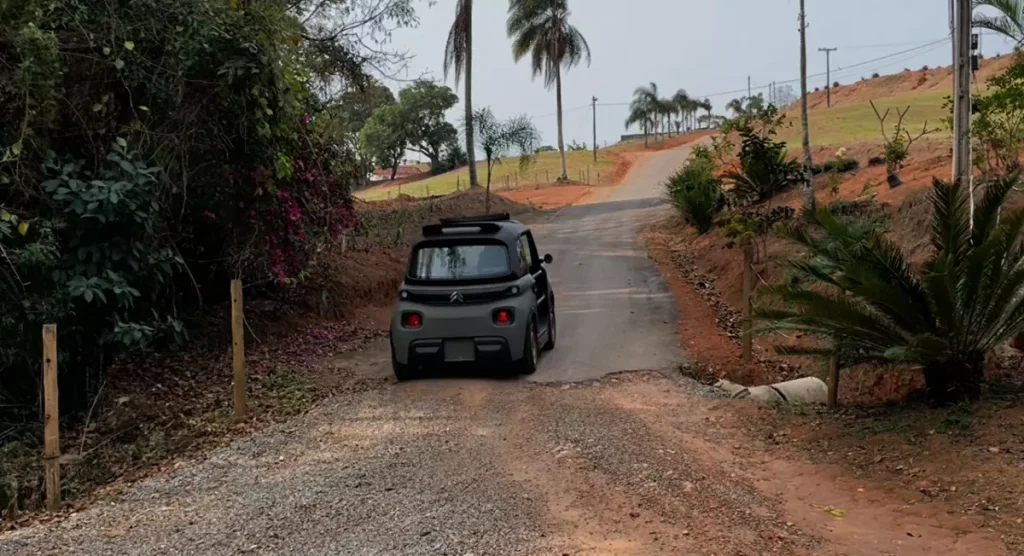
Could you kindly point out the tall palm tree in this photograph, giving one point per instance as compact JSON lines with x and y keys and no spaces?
{"x":681,"y":100}
{"x":706,"y":105}
{"x":541,"y":29}
{"x":646,"y":101}
{"x":1009,"y":22}
{"x":458,"y":56}
{"x":640,"y":114}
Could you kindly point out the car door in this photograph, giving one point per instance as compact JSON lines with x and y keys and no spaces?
{"x":542,"y":286}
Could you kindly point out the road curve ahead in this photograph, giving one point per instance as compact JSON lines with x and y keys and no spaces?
{"x":615,"y":312}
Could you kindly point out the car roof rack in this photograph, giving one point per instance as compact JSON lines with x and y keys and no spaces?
{"x":454,"y":228}
{"x":501,"y":217}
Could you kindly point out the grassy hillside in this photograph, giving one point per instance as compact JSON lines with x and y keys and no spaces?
{"x":846,"y":124}
{"x":851,"y":119}
{"x":545,"y":169}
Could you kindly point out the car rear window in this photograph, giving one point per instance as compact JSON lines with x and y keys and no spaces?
{"x":459,"y":262}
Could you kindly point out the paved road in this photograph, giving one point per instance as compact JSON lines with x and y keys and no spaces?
{"x":615,"y":311}
{"x":639,"y":464}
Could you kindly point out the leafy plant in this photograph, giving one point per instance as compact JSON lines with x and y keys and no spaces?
{"x":967,"y":298}
{"x":696,"y":192}
{"x":754,"y":225}
{"x":765,"y":166}
{"x":998,"y":124}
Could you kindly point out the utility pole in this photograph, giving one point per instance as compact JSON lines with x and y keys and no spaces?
{"x":962,"y":95}
{"x":595,"y":128}
{"x":828,"y":72}
{"x":808,"y":160}
{"x":750,"y":94}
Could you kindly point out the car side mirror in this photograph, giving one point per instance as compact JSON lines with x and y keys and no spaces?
{"x":548,"y":259}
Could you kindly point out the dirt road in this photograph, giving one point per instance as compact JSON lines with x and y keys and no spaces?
{"x":568,"y":463}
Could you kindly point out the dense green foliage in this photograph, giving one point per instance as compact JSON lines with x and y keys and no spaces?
{"x":765,"y":166}
{"x":696,"y":192}
{"x":859,"y":289}
{"x":152,"y":149}
{"x":998,"y":124}
{"x":417,"y":122}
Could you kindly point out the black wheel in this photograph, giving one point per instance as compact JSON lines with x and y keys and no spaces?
{"x":552,"y":331}
{"x":402,"y":372}
{"x":528,"y":364}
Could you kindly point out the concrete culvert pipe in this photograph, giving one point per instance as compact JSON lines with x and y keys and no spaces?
{"x":800,"y":391}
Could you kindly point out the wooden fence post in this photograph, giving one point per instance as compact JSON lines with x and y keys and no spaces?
{"x":238,"y":348}
{"x":458,"y":182}
{"x":748,"y":293}
{"x":547,"y":177}
{"x":51,"y":418}
{"x":588,"y":174}
{"x":833,"y":376}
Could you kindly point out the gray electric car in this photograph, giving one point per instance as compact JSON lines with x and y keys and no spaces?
{"x":476,"y":293}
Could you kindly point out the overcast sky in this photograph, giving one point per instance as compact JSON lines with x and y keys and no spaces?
{"x":706,"y":47}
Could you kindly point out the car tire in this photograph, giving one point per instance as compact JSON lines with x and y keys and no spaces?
{"x":552,"y":330}
{"x":528,"y":364}
{"x":402,"y":372}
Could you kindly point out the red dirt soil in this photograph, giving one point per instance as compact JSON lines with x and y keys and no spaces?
{"x":937,"y":79}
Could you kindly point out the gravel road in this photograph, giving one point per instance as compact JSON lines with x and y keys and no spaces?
{"x":582,"y":459}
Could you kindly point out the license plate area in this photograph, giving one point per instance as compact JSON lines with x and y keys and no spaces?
{"x":456,"y":351}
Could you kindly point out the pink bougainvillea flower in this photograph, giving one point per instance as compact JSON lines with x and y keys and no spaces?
{"x":209,"y":215}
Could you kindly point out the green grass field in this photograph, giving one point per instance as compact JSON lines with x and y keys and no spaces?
{"x":546,"y":168}
{"x":845,"y":125}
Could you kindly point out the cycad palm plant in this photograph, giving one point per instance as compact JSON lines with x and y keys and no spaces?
{"x":541,"y":29}
{"x":860,"y":291}
{"x":1009,"y":22}
{"x":458,"y":56}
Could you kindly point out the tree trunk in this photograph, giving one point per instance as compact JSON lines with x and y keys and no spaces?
{"x":394,"y":170}
{"x":470,"y":136}
{"x":646,"y":145}
{"x":955,"y":381}
{"x":808,"y":160}
{"x":561,"y":142}
{"x":487,"y":195}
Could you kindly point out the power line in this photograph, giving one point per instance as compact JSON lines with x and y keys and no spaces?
{"x":822,"y":74}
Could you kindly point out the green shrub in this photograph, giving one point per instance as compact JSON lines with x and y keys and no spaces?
{"x":840,"y":165}
{"x":862,"y":292}
{"x":765,"y":166}
{"x":696,"y":192}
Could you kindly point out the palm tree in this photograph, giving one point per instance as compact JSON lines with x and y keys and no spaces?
{"x":666,"y":108}
{"x":706,"y":105}
{"x":498,"y":139}
{"x":682,"y":103}
{"x":1009,"y":22}
{"x":458,"y":56}
{"x":640,"y":114}
{"x":859,"y":290}
{"x":647,"y":106}
{"x":541,"y":29}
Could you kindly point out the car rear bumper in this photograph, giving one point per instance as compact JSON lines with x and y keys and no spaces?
{"x":433,"y":353}
{"x":467,"y":330}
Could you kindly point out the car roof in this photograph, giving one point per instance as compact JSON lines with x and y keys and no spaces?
{"x":494,"y":226}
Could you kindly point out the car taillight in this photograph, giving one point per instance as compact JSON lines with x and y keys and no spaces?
{"x":412,"y":320}
{"x":503,"y":317}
